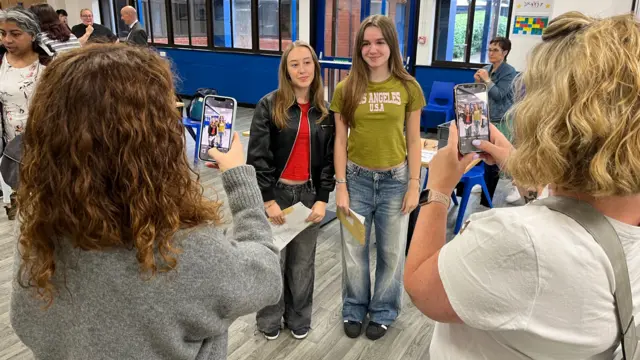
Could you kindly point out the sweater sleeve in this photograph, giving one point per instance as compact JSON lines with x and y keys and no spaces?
{"x":249,"y":265}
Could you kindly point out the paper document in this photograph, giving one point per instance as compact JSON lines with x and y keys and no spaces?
{"x":354,"y":223}
{"x":427,"y":155}
{"x":295,"y":222}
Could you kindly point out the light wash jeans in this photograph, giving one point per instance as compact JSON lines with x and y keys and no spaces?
{"x":378,"y":196}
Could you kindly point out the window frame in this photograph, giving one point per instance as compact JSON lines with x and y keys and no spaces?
{"x":255,"y":27}
{"x":468,"y":38}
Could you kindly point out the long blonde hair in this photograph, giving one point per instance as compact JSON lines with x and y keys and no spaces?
{"x":285,"y":97}
{"x":358,"y":78}
{"x":578,"y":125}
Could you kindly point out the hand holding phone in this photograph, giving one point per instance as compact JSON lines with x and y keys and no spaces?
{"x":227,"y":160}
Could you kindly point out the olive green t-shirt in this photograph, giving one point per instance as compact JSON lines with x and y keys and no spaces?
{"x":377,"y":140}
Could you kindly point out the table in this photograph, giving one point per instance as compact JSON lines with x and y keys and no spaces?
{"x":430,"y":144}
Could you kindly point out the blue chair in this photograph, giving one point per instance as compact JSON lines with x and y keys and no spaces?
{"x":441,"y":102}
{"x":192,"y":125}
{"x":471,"y":178}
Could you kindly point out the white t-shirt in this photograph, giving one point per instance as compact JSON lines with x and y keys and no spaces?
{"x":531,"y":283}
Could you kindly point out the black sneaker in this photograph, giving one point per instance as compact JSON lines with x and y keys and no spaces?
{"x":352,"y":328}
{"x":300,"y":334}
{"x":272,"y":335}
{"x":375,"y":331}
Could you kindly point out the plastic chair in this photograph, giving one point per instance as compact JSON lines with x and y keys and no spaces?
{"x":471,"y":178}
{"x":440,"y":101}
{"x":191,"y":125}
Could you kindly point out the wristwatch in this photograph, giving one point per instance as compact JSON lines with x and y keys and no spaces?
{"x":428,"y":196}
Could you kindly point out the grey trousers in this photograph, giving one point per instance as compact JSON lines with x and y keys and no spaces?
{"x":298,"y":269}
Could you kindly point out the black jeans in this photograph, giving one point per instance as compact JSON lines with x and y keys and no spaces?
{"x":491,"y":177}
{"x":298,"y":268}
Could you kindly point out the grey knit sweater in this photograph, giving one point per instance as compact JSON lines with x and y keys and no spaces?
{"x":107,"y":310}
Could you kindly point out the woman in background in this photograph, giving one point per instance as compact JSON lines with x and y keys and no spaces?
{"x":117,"y":245}
{"x":291,"y":148}
{"x":499,"y":78}
{"x":54,"y":33}
{"x":376,"y":178}
{"x":23,"y":58}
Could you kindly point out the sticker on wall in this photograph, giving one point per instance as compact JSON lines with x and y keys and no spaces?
{"x":530,"y":25}
{"x":538,"y":7}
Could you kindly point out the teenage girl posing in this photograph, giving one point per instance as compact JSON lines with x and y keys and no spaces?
{"x":377,"y":172}
{"x":291,"y":148}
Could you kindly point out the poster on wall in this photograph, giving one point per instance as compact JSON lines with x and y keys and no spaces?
{"x":530,"y":25}
{"x":531,"y":17}
{"x":537,"y":7}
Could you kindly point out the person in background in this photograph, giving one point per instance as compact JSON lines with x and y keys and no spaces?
{"x":377,"y":172}
{"x":137,"y":34}
{"x":528,"y":282}
{"x":117,"y":244}
{"x":54,"y":33}
{"x":23,"y":58}
{"x":91,"y":32}
{"x":291,"y":147}
{"x":499,"y":78}
{"x":62,"y":16}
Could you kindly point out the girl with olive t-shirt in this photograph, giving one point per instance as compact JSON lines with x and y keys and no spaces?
{"x":377,"y":172}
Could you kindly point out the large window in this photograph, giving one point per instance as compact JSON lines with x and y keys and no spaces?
{"x":243,"y":25}
{"x":464,"y":29}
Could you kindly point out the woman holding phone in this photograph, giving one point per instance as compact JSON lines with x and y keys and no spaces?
{"x":291,"y":148}
{"x":380,"y":178}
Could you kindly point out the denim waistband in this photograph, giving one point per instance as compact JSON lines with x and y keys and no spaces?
{"x":305,"y":186}
{"x":365,"y":172}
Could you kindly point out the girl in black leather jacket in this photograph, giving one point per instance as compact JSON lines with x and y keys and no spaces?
{"x":291,"y":148}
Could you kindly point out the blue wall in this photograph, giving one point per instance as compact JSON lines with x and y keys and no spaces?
{"x":248,"y":77}
{"x":426,"y":75}
{"x":245,"y":77}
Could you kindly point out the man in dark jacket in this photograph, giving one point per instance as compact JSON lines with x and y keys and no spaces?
{"x":137,"y":34}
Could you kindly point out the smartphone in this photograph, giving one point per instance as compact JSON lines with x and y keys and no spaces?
{"x":472,"y":115}
{"x":216,"y":127}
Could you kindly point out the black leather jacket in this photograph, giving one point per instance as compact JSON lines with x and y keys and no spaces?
{"x":270,"y":148}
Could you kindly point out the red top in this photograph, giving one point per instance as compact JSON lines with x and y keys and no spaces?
{"x":297,"y":168}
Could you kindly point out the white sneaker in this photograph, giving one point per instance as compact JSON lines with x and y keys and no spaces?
{"x":513,"y":196}
{"x":476,"y":189}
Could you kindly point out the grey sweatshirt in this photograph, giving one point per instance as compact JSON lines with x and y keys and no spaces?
{"x":107,"y":310}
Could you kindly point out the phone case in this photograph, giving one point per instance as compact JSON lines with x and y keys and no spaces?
{"x":476,"y":122}
{"x":203,"y":133}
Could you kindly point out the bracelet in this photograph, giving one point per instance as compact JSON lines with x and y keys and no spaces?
{"x":341,"y":181}
{"x":270,"y":205}
{"x":418,"y":179}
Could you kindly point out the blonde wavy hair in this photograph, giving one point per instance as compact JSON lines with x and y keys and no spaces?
{"x":578,"y":125}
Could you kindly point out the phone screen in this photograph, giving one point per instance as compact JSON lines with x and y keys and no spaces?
{"x":472,"y":115}
{"x":217,"y":125}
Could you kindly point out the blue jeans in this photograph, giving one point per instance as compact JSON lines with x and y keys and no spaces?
{"x":378,"y":196}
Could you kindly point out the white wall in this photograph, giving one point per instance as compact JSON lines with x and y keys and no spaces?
{"x":520,"y":45}
{"x":73,"y":8}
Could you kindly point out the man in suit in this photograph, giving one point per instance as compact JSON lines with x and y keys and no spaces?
{"x":137,"y":35}
{"x":89,"y":31}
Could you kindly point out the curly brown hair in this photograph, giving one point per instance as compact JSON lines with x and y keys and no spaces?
{"x":104,"y":164}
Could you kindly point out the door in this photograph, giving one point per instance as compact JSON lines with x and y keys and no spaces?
{"x":338,"y":22}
